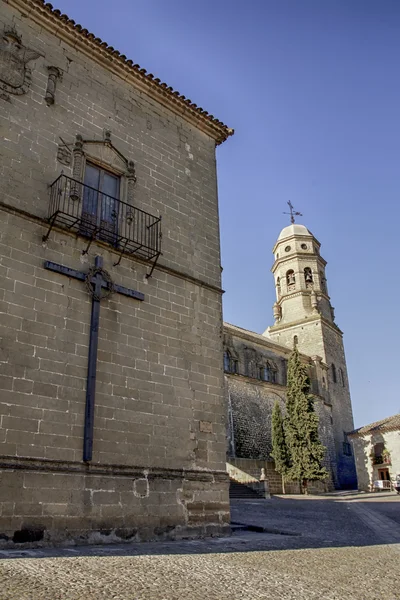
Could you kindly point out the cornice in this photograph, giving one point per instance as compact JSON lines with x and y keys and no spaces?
{"x":26,"y":463}
{"x":262,"y":340}
{"x":299,"y":256}
{"x":95,"y":49}
{"x":305,"y":321}
{"x":307,"y":292}
{"x":296,"y":236}
{"x":254,"y":337}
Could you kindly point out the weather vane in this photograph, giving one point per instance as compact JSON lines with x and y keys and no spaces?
{"x":293,"y":213}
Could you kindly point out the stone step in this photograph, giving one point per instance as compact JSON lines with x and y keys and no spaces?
{"x":240,"y":490}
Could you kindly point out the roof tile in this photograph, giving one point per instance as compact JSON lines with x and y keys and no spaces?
{"x":222,"y":130}
{"x":388,"y":424}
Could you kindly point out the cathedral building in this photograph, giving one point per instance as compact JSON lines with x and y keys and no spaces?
{"x":255,"y":366}
{"x":112,"y":410}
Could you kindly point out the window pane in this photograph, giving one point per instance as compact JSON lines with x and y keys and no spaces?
{"x":92,"y":176}
{"x":90,"y":196}
{"x":110,"y":185}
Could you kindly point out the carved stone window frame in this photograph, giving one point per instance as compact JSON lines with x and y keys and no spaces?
{"x":231,"y":361}
{"x":105,"y":155}
{"x":269,"y":367}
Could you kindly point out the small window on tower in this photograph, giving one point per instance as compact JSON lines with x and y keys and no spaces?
{"x":346,"y":445}
{"x":341,"y":376}
{"x":295,"y":340}
{"x":308,"y":276}
{"x":291,"y":280}
{"x":334,"y":378}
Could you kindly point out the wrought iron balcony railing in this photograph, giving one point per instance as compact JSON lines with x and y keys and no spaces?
{"x":95,"y":215}
{"x":383,"y":459}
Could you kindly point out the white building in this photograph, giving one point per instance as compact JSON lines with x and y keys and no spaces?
{"x":377,"y":451}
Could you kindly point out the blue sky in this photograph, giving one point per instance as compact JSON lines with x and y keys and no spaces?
{"x":312,"y":90}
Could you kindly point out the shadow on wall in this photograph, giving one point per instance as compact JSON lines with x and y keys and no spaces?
{"x":362,"y":460}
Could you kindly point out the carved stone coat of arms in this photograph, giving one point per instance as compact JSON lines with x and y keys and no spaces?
{"x":15,"y":76}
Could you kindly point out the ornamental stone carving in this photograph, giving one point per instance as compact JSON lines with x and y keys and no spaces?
{"x":131,"y":177}
{"x":77,"y":169}
{"x":15,"y":76}
{"x":54,"y":74}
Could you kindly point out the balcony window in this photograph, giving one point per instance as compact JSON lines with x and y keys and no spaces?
{"x":94,"y":210}
{"x":100,"y":202}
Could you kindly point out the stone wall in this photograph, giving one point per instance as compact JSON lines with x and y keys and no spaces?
{"x":247,"y":467}
{"x":174,"y":161}
{"x":342,"y":412}
{"x":158,"y":463}
{"x":252,"y":404}
{"x":251,"y":401}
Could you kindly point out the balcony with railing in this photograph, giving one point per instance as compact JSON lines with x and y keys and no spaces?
{"x":383,"y":459}
{"x":97,"y":216}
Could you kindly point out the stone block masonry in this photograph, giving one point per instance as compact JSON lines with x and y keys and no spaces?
{"x":158,"y":465}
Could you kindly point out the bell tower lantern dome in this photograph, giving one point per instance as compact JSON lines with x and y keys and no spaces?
{"x":299,"y":272}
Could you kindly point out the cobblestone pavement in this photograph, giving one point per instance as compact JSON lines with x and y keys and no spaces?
{"x":384,"y":503}
{"x":339,"y":548}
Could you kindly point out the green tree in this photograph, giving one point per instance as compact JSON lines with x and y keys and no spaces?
{"x":279,"y":452}
{"x":301,"y":427}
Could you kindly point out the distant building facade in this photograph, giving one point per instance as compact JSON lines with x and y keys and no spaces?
{"x":377,"y":452}
{"x":255,"y":365}
{"x":95,"y":155}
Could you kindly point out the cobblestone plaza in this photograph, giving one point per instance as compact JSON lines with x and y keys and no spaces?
{"x":320,"y":547}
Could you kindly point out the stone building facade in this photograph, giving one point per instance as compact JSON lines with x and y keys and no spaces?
{"x":377,"y":452}
{"x":95,"y":155}
{"x":255,"y":365}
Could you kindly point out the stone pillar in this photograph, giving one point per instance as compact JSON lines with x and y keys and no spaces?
{"x":77,"y":169}
{"x":54,"y":74}
{"x":314,"y":302}
{"x":131,"y":177}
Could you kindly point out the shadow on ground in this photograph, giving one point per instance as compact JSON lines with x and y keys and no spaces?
{"x":280,"y":523}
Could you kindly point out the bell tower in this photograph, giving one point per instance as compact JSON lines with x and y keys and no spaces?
{"x":304,"y":316}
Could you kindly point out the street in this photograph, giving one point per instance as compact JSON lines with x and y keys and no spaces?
{"x":327,"y":547}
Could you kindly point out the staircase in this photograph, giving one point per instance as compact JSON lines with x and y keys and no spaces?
{"x":241,"y":491}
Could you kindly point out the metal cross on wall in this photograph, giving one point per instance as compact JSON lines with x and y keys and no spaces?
{"x":100,"y":286}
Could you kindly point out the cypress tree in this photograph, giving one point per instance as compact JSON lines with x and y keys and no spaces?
{"x":279,"y":448}
{"x":301,"y":427}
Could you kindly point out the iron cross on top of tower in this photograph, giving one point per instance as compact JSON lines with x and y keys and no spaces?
{"x":293,"y":213}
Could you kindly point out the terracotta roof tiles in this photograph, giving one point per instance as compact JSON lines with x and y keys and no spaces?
{"x":220,"y":130}
{"x":388,"y":424}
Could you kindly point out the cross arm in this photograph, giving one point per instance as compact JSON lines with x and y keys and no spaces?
{"x":120,"y":289}
{"x":52,"y":266}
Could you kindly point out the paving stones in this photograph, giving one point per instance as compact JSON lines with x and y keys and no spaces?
{"x":248,"y":565}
